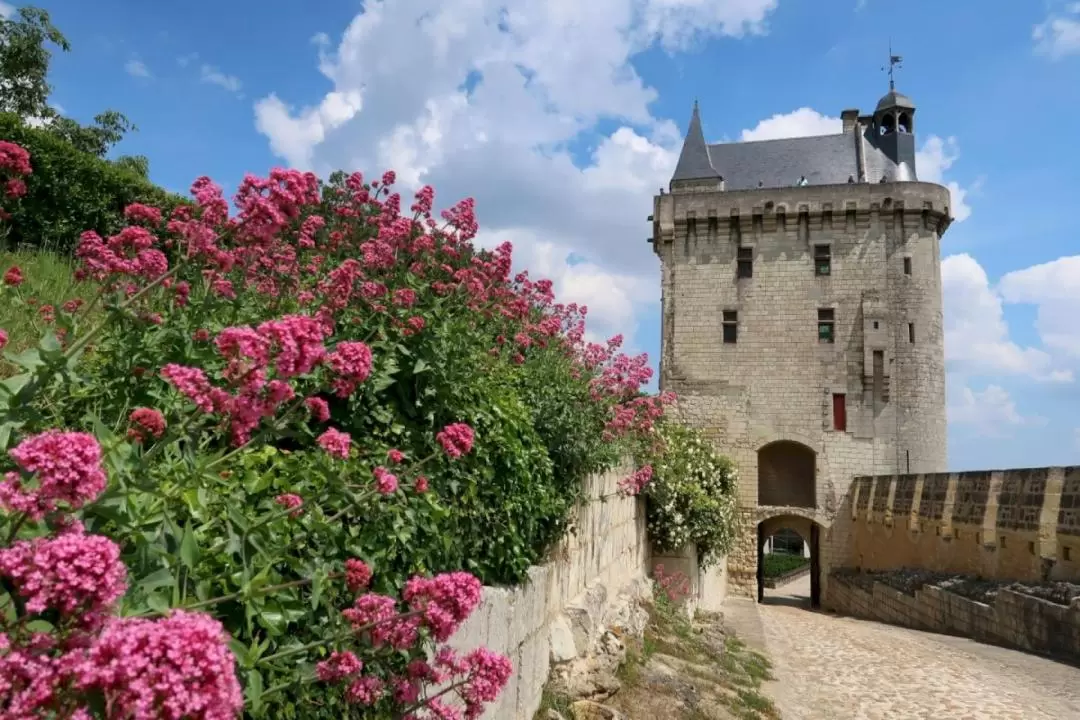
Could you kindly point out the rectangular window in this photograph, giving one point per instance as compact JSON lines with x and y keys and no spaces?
{"x":879,"y":374}
{"x":839,"y":412}
{"x":907,"y":266}
{"x":746,"y":263}
{"x":822,"y":260}
{"x":911,"y":332}
{"x":731,"y":326}
{"x":825,"y":325}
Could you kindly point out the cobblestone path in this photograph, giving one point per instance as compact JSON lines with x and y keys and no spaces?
{"x":835,"y":668}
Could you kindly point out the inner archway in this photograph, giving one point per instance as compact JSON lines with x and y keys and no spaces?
{"x":789,"y":559}
{"x":787,"y":475}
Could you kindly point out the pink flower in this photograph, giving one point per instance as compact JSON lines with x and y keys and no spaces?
{"x":290,"y":500}
{"x":146,"y":421}
{"x":338,"y":666}
{"x":145,"y":213}
{"x":385,"y":481}
{"x":14,"y":158}
{"x":445,"y":600}
{"x":3,"y":338}
{"x":175,"y":668}
{"x":192,"y":383}
{"x":66,"y":465}
{"x":298,"y":341}
{"x":488,"y":674}
{"x":319,"y":408}
{"x":335,"y":443}
{"x":15,"y":188}
{"x":13,"y":276}
{"x":395,"y":456}
{"x":69,"y":573}
{"x":421,"y":484}
{"x":365,"y":691}
{"x":456,"y":439}
{"x":357,"y":574}
{"x":637,"y":481}
{"x":351,"y":362}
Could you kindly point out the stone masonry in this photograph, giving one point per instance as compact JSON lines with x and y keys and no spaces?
{"x":802,"y":322}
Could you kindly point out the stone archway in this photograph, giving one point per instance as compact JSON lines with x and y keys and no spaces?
{"x":808,"y":525}
{"x":787,"y":475}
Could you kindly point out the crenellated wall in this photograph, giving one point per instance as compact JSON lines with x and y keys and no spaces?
{"x":1019,"y":524}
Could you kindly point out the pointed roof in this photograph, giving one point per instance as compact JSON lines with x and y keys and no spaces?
{"x":694,"y":159}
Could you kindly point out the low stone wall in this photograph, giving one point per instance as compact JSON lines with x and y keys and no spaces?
{"x":570,"y":606}
{"x":708,"y":586}
{"x":1014,"y":619}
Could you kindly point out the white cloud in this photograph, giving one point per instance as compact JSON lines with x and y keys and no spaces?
{"x":185,"y":60}
{"x":798,"y":123}
{"x":210,"y":74}
{"x":7,"y":10}
{"x":1054,"y":288}
{"x":481,"y":98}
{"x":976,"y":334}
{"x":931,"y":162}
{"x":137,"y":68}
{"x":1059,"y":35}
{"x":989,"y":413}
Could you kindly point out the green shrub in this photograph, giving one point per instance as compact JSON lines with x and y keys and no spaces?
{"x":200,"y":512}
{"x":777,"y":564}
{"x":691,"y":496}
{"x":69,"y":191}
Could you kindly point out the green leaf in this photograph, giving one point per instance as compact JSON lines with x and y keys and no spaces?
{"x":420,"y":366}
{"x":189,"y":548}
{"x":157,"y":579}
{"x":16,"y":383}
{"x":27,"y":359}
{"x":317,"y":581}
{"x":253,"y":690}
{"x":49,"y":343}
{"x":157,"y":603}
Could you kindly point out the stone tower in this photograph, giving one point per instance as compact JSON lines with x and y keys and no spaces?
{"x":802,"y":316}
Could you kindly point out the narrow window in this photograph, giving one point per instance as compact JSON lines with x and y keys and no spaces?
{"x":1068,"y":553}
{"x":746,"y":263}
{"x":907,"y":266}
{"x":879,"y":374}
{"x":822,"y":260}
{"x":839,"y":412}
{"x":825,"y":325}
{"x":911,"y":332}
{"x":731,"y":326}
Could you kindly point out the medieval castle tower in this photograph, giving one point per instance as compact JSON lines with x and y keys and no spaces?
{"x":802,"y":316}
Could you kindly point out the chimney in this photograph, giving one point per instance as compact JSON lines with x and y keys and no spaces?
{"x":850,"y":118}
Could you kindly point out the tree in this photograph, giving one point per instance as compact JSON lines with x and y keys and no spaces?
{"x":108,"y":129}
{"x":24,"y":62}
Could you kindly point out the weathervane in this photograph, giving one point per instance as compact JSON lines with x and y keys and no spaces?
{"x":894,"y":62}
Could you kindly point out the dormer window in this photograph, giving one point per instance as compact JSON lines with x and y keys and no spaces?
{"x":888,"y":124}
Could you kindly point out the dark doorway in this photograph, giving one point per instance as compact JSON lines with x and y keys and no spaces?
{"x":790,"y":592}
{"x":815,"y":566}
{"x":760,"y":562}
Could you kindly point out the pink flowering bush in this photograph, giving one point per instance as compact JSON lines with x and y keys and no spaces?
{"x":310,"y":377}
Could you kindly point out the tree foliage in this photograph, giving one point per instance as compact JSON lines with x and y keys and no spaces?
{"x":24,"y":62}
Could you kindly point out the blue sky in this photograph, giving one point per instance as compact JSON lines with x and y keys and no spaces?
{"x":563,"y":118}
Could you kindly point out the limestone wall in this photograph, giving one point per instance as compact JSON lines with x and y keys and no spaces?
{"x":591,"y":586}
{"x":1013,"y":620}
{"x":1000,"y":524}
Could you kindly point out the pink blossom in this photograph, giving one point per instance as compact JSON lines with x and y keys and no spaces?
{"x":365,"y":691}
{"x":319,"y":408}
{"x":456,"y":439}
{"x":351,"y":363}
{"x":338,"y":666}
{"x":3,"y":338}
{"x":421,"y":484}
{"x":445,"y":600}
{"x":178,"y":667}
{"x":292,"y":501}
{"x":192,"y":383}
{"x":13,"y":276}
{"x":66,"y":466}
{"x":15,"y":188}
{"x":69,"y":573}
{"x":298,"y":342}
{"x":146,"y":421}
{"x":395,"y":456}
{"x":385,"y":481}
{"x":138,"y":212}
{"x":637,"y":481}
{"x":14,"y":158}
{"x":357,"y":574}
{"x":335,"y":443}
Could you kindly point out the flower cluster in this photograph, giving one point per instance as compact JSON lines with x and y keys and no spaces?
{"x":691,"y":494}
{"x":671,"y":587}
{"x":430,"y":606}
{"x":175,"y":667}
{"x":456,"y":439}
{"x":15,"y":164}
{"x":636,"y":482}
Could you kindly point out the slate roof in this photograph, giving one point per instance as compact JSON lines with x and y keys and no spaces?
{"x":823,"y":159}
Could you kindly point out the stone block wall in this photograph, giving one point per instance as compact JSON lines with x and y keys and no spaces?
{"x":1002,"y":524}
{"x":1014,"y":620}
{"x":593,"y":583}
